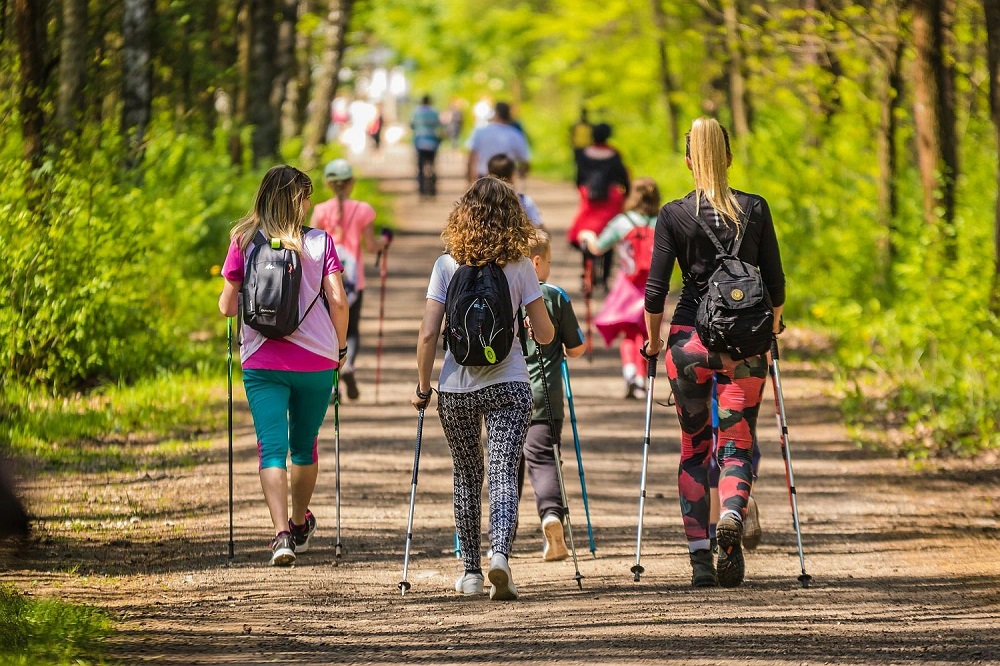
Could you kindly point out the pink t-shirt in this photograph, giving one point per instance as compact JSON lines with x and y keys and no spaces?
{"x":283,"y":354}
{"x":346,"y":232}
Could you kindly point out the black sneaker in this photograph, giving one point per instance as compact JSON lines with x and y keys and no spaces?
{"x":351,"y":384}
{"x":731,"y":566}
{"x":302,"y":533}
{"x":703,"y":569}
{"x":282,"y":550}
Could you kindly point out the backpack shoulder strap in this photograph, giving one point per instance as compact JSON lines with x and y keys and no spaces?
{"x":745,"y":228}
{"x":708,"y":230}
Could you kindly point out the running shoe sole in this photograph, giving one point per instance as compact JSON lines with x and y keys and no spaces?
{"x":503,"y":589}
{"x":730,"y":568}
{"x":555,"y":542}
{"x":282,"y":557}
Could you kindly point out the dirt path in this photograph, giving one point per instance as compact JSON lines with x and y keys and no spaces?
{"x":904,"y":562}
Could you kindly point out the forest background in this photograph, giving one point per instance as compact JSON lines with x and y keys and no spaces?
{"x":135,"y":133}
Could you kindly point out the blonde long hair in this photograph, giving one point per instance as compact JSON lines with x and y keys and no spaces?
{"x":709,"y":153}
{"x":488,"y":225}
{"x":278,"y":209}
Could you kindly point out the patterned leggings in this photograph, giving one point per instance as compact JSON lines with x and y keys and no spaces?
{"x":506,"y":410}
{"x":691,"y":369}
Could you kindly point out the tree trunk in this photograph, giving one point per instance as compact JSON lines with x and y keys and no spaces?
{"x":263,"y":52}
{"x":295,"y":113}
{"x":137,"y":77}
{"x":666,"y":79}
{"x":888,"y":199}
{"x":29,"y":27}
{"x":285,"y":59}
{"x":992,"y":8}
{"x":72,"y":65}
{"x":737,"y":84}
{"x":244,"y":31}
{"x":325,"y":87}
{"x":934,"y":117}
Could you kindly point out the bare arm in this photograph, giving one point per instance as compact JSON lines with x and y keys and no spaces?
{"x":471,"y":174}
{"x":542,"y":329}
{"x":229,"y":298}
{"x":430,"y":329}
{"x":654,"y":321}
{"x":336,"y":298}
{"x":588,"y":239}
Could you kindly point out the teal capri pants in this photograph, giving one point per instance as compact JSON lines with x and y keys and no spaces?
{"x":288,"y":409}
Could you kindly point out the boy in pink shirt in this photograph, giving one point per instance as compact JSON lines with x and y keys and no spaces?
{"x":350,"y":223}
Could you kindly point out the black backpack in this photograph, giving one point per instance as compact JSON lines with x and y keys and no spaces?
{"x":736,"y":315}
{"x":479,"y":317}
{"x":270,"y":291}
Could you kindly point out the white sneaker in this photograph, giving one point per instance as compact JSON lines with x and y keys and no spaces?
{"x":503,"y":584}
{"x":555,"y":543}
{"x":470,"y":584}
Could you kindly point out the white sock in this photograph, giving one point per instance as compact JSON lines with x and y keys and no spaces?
{"x":628,"y":372}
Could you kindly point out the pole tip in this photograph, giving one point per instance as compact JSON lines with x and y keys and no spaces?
{"x":805,"y":579}
{"x":403,"y":587}
{"x":637,"y":571}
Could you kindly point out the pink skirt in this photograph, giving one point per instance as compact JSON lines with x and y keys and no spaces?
{"x":623,"y":311}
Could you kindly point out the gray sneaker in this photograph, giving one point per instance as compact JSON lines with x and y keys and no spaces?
{"x":282,"y":550}
{"x":751,"y":525}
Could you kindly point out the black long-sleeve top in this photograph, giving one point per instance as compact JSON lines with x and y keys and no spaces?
{"x":680,"y":238}
{"x":601,"y":172}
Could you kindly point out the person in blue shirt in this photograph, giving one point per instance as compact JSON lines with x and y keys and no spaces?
{"x":427,"y":130}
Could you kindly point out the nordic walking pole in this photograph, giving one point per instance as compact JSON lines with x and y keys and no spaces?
{"x":556,"y":454}
{"x":229,"y":364}
{"x":588,"y":292}
{"x":458,"y":547}
{"x":786,"y":455}
{"x":381,"y":260}
{"x":638,"y":570}
{"x":339,"y":548}
{"x":568,"y":388}
{"x":404,"y":585}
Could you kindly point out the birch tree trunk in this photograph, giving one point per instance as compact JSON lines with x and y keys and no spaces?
{"x":137,"y":76}
{"x":737,"y":84}
{"x":285,"y":60}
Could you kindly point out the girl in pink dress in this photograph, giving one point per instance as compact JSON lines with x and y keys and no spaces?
{"x":350,"y":223}
{"x":631,"y":234}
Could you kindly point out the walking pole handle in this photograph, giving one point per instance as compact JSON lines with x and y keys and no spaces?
{"x":650,"y":361}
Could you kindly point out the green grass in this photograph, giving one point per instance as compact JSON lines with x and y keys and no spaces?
{"x":154,"y":423}
{"x":49,"y":632}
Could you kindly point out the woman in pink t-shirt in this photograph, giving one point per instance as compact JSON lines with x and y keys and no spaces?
{"x":350,"y":223}
{"x":288,"y":380}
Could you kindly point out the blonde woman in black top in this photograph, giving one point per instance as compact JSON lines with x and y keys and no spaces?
{"x":691,"y":368}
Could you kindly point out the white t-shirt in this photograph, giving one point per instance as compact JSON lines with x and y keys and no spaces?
{"x":496,"y":139}
{"x":524,"y":289}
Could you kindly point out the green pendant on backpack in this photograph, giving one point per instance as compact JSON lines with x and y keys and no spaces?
{"x":490,"y":355}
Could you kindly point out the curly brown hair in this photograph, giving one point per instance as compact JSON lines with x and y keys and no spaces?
{"x":488,"y":225}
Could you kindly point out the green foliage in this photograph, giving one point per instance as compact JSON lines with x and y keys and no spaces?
{"x":49,"y":631}
{"x":110,"y":282}
{"x":150,"y":424}
{"x":913,"y":331}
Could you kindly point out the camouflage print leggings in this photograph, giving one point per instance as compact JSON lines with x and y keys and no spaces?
{"x":691,"y":369}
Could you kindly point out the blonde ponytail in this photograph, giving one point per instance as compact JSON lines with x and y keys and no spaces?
{"x":278,"y":209}
{"x":708,"y":150}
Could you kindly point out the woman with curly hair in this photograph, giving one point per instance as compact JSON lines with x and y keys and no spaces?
{"x":486,"y":226}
